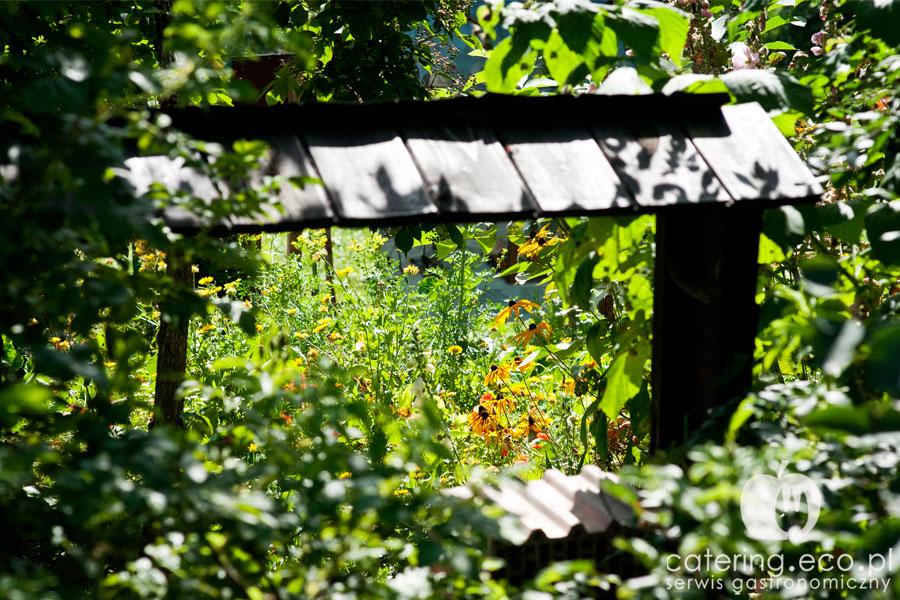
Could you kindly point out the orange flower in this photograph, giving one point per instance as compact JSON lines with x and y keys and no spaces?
{"x":502,"y":404}
{"x":512,"y":308}
{"x":542,"y":239}
{"x":288,"y":419}
{"x":542,"y":329}
{"x":497,"y":374}
{"x":481,"y":420}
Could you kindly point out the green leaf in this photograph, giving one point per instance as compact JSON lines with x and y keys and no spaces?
{"x":881,"y":366}
{"x":779,"y":46}
{"x":843,"y":348}
{"x":785,"y":226}
{"x":584,"y":282}
{"x":624,"y":379}
{"x":560,"y":60}
{"x":596,"y":342}
{"x":404,"y":240}
{"x":774,"y":91}
{"x":820,"y":273}
{"x":23,"y":400}
{"x":769,"y":252}
{"x":883,"y":231}
{"x":576,"y":29}
{"x":507,"y":64}
{"x":695,"y":83}
{"x":673,"y":28}
{"x":839,"y":418}
{"x":456,"y":236}
{"x":844,"y":220}
{"x":881,"y":17}
{"x":637,"y":31}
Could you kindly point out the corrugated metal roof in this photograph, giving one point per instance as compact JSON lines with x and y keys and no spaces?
{"x":556,"y":504}
{"x":493,"y":158}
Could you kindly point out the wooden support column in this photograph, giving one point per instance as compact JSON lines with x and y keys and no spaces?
{"x":171,"y":359}
{"x":704,"y":315}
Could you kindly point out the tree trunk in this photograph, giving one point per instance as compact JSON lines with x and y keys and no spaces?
{"x":171,"y":360}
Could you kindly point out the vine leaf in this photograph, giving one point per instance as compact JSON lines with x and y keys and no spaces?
{"x":625,"y":377}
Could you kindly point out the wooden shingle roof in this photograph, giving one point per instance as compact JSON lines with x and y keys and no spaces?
{"x":555,"y":505}
{"x":494,"y":158}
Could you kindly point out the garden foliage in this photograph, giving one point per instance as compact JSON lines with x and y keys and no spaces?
{"x":330,"y":396}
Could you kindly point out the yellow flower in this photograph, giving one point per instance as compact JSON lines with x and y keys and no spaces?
{"x":259,"y":327}
{"x":518,"y":389}
{"x":334,"y":336}
{"x":501,"y":404}
{"x":195,"y":269}
{"x":291,"y":312}
{"x":344,"y":272}
{"x":410,"y":270}
{"x":454,"y":349}
{"x":568,"y":386}
{"x":512,"y":308}
{"x":537,"y":421}
{"x":252,"y":447}
{"x":312,"y":355}
{"x":55,"y":340}
{"x":542,"y":239}
{"x":481,"y":420}
{"x":231,"y":286}
{"x":210,"y":291}
{"x":206,"y":328}
{"x":497,"y":374}
{"x":206,"y":280}
{"x":401,"y":492}
{"x":299,"y":361}
{"x":344,"y":475}
{"x":322,"y":324}
{"x":541,"y":329}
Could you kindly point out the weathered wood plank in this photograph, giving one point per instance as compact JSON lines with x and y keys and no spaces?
{"x":565,"y":170}
{"x":369,"y":175}
{"x":658,"y":164}
{"x":176,"y":178}
{"x":306,"y":204}
{"x":750,"y":156}
{"x":468,"y":172}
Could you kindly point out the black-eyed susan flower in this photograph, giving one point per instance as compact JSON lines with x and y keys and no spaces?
{"x":512,"y":308}
{"x":497,"y":374}
{"x":537,"y":422}
{"x":501,"y":404}
{"x":542,"y":239}
{"x":322,"y":324}
{"x":541,"y":329}
{"x":455,"y":349}
{"x":481,"y":420}
{"x":523,"y":364}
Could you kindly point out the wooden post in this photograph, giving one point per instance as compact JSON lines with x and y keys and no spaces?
{"x":171,"y":358}
{"x":705,"y":314}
